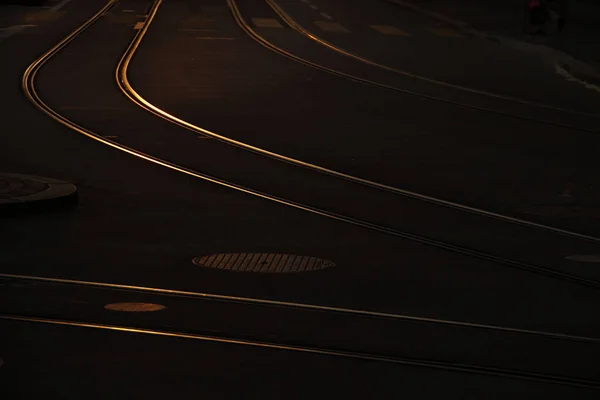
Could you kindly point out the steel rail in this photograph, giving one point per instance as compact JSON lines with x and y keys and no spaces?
{"x":300,"y":306}
{"x":28,"y":84}
{"x":328,"y":352}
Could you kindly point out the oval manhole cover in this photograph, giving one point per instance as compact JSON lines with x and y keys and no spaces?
{"x":262,"y":262}
{"x":134,"y":307}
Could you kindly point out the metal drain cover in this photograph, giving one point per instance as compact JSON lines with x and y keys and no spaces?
{"x":262,"y":262}
{"x":134,"y":307}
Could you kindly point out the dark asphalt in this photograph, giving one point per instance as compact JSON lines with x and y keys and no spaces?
{"x":141,"y":224}
{"x":120,"y":365}
{"x":440,"y":52}
{"x":404,"y":141}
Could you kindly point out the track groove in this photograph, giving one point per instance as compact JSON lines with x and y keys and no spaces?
{"x":28,"y":84}
{"x":300,"y":306}
{"x":327,"y":352}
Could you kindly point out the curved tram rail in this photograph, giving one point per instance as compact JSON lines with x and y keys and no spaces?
{"x":29,"y":87}
{"x":129,"y":91}
{"x":28,"y":84}
{"x":311,"y":35}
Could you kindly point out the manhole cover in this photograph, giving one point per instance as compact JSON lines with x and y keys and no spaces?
{"x":587,"y":258}
{"x":14,"y":187}
{"x":262,"y":262}
{"x":134,"y":307}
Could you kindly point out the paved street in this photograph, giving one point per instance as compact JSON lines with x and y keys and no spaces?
{"x":291,"y":199}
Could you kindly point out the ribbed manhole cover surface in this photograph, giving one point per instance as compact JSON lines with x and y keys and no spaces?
{"x":262,"y":262}
{"x":134,"y":307}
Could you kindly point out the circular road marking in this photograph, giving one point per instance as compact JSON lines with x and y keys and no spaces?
{"x":134,"y":307}
{"x":587,"y":258}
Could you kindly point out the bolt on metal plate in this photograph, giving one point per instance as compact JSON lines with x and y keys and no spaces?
{"x":262,"y":262}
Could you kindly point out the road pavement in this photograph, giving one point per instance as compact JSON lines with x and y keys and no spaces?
{"x":141,"y":223}
{"x":573,"y":48}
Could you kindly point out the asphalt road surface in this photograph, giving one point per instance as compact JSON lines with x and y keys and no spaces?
{"x":293,"y":199}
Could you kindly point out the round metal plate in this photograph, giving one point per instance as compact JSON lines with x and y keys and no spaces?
{"x":134,"y":307}
{"x":262,"y":262}
{"x":587,"y":258}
